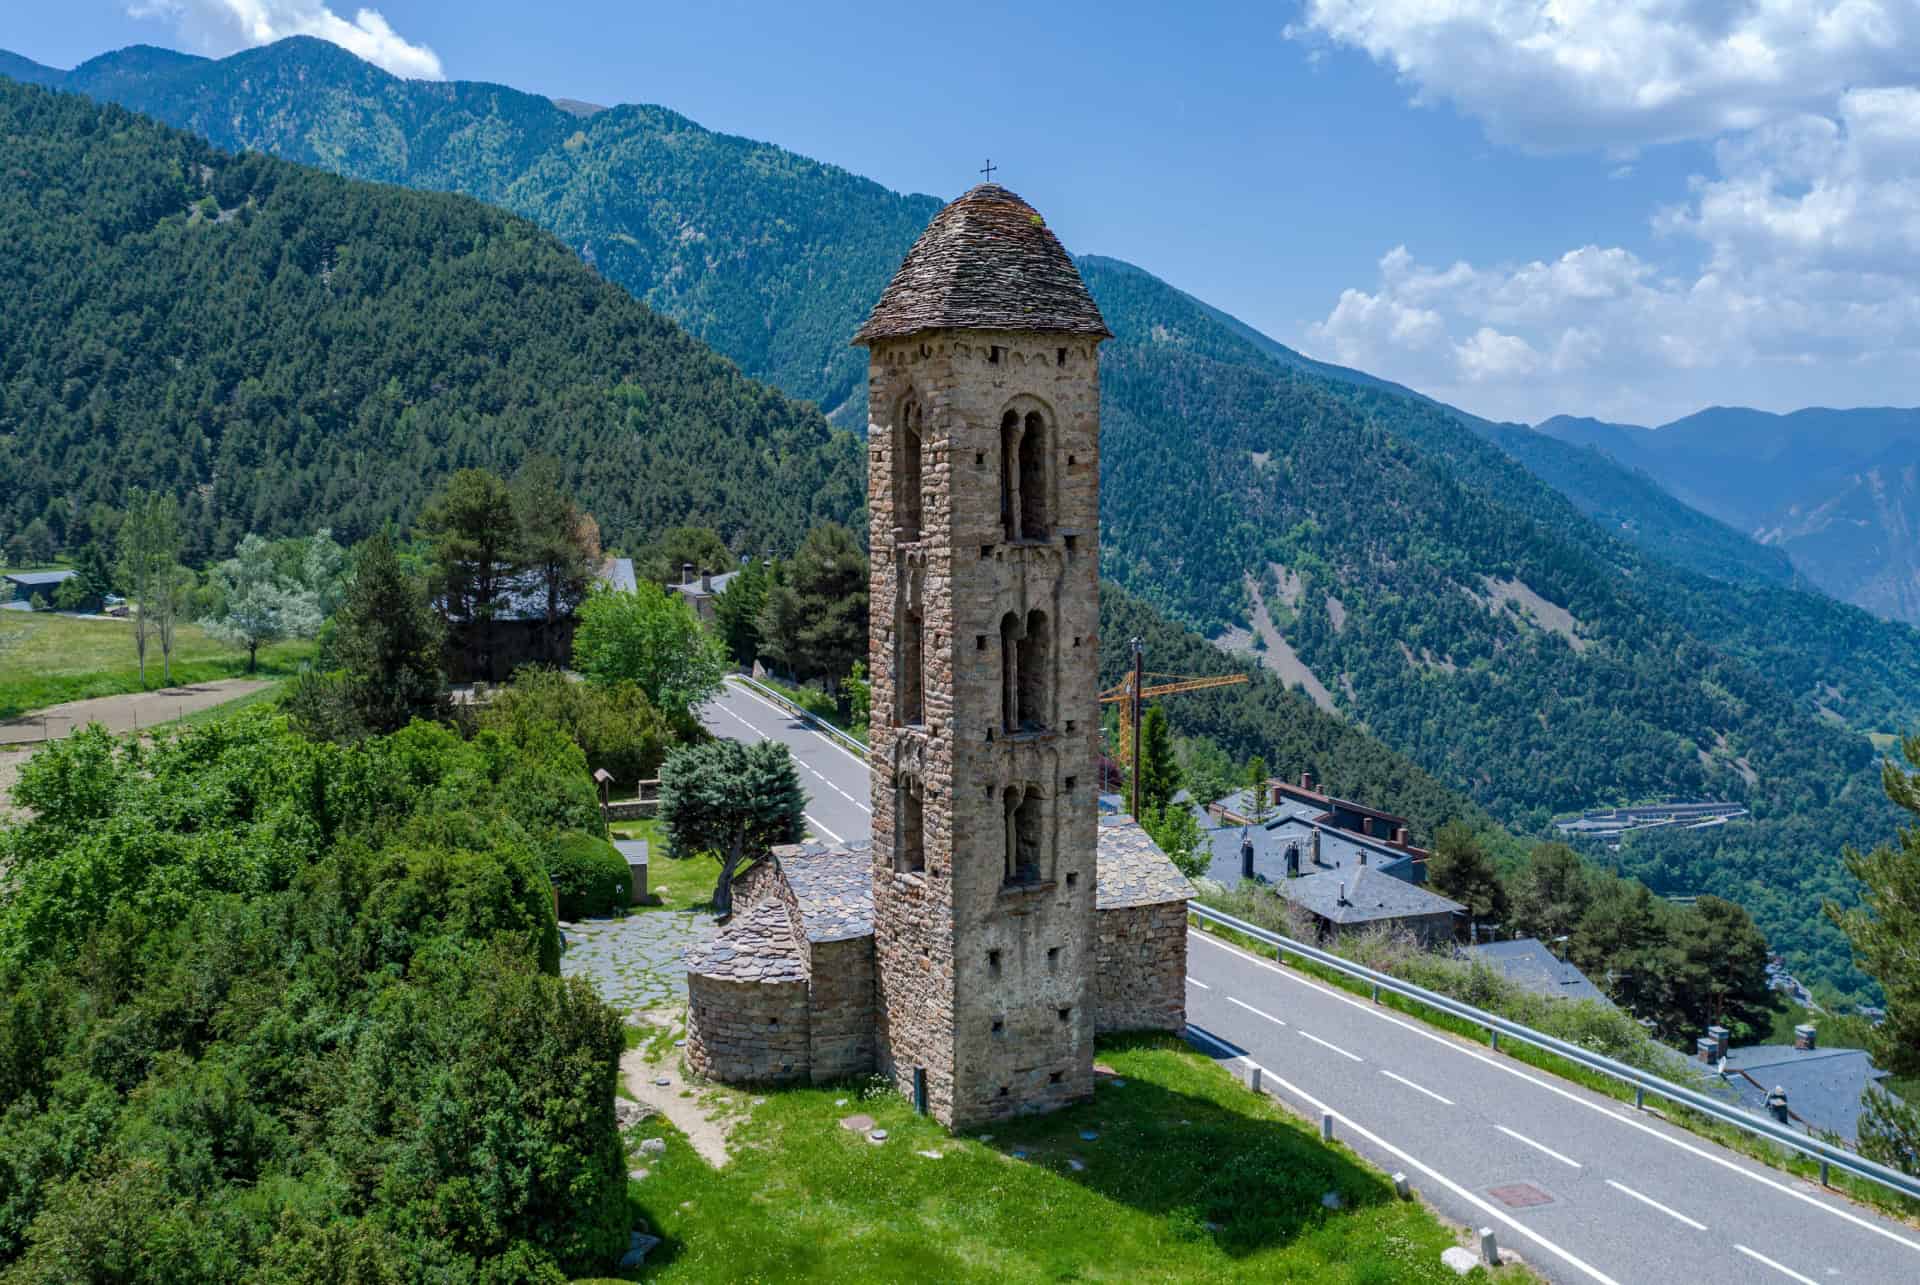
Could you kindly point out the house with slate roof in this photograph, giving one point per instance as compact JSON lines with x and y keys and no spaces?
{"x":1526,"y":962}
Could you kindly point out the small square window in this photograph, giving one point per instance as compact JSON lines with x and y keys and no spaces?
{"x":1073,"y":542}
{"x":993,"y":962}
{"x":979,"y":459}
{"x":1053,"y":955}
{"x":1053,"y":1077}
{"x":994,"y":354}
{"x":1071,"y":781}
{"x":979,"y":642}
{"x":1072,"y":459}
{"x":1060,"y":356}
{"x":1073,"y":878}
{"x":986,"y":551}
{"x":1003,"y":1090}
{"x":999,"y":1025}
{"x":1076,"y":640}
{"x":1069,"y":728}
{"x":1065,"y":1013}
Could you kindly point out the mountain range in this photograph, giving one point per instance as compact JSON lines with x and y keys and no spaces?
{"x":1393,"y":558}
{"x":1837,"y":491}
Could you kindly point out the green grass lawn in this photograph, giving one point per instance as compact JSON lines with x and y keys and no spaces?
{"x":1190,"y":1178}
{"x":679,"y":883}
{"x":61,"y":658}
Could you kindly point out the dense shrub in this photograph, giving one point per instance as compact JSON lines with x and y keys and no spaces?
{"x":283,"y":1011}
{"x":614,"y":724}
{"x":590,"y":875}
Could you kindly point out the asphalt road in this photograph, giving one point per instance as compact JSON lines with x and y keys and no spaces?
{"x":1607,"y":1193}
{"x":835,"y":780}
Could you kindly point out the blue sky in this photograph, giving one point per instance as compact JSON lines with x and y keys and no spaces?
{"x":1625,"y":208}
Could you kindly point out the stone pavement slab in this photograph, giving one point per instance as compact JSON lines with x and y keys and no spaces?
{"x":636,"y":961}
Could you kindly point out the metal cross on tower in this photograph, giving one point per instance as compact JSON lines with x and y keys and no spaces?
{"x":989,"y":168}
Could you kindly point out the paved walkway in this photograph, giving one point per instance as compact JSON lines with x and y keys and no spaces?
{"x":635,"y":962}
{"x":125,"y":713}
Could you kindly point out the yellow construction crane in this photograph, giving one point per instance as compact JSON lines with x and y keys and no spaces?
{"x":1132,"y":690}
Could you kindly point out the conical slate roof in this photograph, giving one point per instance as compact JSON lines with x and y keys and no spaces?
{"x":988,"y":261}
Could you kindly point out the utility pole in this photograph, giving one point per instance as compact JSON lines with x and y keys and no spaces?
{"x":1133,"y":698}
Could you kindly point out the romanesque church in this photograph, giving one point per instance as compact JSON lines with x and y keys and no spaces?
{"x":995,"y":922}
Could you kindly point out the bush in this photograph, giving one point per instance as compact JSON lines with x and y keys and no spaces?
{"x":614,"y":724}
{"x":589,"y":873}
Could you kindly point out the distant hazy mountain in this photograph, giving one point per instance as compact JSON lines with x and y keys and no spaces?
{"x":1837,"y":490}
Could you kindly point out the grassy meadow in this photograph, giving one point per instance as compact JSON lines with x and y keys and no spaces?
{"x":53,"y":659}
{"x":1189,"y":1177}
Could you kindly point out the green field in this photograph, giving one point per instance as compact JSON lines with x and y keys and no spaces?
{"x":1190,"y":1178}
{"x":678,"y":883}
{"x":51,"y":659}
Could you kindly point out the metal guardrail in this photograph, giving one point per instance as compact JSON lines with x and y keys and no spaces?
{"x":1643,"y":1082}
{"x":843,"y":739}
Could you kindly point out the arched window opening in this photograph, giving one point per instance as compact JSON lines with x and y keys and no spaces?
{"x":910,"y":827}
{"x":1010,"y":474}
{"x":907,"y":487}
{"x":1035,"y":672}
{"x":910,"y":667}
{"x":1010,"y":673}
{"x":1034,"y":524}
{"x":1023,"y":835}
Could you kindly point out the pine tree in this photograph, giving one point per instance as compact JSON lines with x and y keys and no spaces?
{"x":1551,"y":893}
{"x":732,"y":800}
{"x":816,"y":622}
{"x":1159,"y":773}
{"x":387,"y":641}
{"x":557,"y":545}
{"x":471,"y":526}
{"x":1461,"y":869}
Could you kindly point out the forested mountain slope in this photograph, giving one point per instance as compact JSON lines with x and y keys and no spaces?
{"x":285,"y":349}
{"x":770,"y":257}
{"x":1472,"y":618}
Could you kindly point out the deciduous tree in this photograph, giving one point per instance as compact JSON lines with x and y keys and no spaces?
{"x":261,"y":607}
{"x":648,"y":636}
{"x":149,"y":544}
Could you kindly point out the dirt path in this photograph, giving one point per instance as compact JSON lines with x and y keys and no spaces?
{"x":125,"y":713}
{"x":703,"y":1113}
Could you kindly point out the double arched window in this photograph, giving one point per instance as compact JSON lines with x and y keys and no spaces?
{"x":1022,"y":812}
{"x":1026,"y":671}
{"x":908,"y":453}
{"x":1025,"y":451}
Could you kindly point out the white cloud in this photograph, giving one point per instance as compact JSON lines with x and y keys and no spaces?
{"x":222,"y":26}
{"x":1614,"y":73}
{"x":1801,"y":281}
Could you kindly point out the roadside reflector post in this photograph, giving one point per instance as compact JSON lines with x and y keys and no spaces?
{"x":1401,"y":1188}
{"x":1326,"y":1126}
{"x":1376,"y":992}
{"x":1495,"y":1038}
{"x":1823,"y":1175}
{"x":1639,"y":1098}
{"x":1489,"y":1248}
{"x":1253,"y":1079}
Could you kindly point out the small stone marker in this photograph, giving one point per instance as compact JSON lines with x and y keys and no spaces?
{"x":1489,"y":1248}
{"x":986,"y":1137}
{"x":1460,"y":1260}
{"x":877,"y":1136}
{"x":663,"y":1080}
{"x":1401,"y":1188}
{"x":857,"y":1123}
{"x":679,"y":1044}
{"x":637,"y":1175}
{"x":654,"y":1146}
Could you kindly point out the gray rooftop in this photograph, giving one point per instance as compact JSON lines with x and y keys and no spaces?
{"x":1132,"y":871}
{"x":632,"y":851}
{"x":1339,"y":850}
{"x":755,"y":947}
{"x":1530,"y":965}
{"x":832,"y":886}
{"x":715,"y":584}
{"x":617,"y":574}
{"x":39,"y":579}
{"x":1372,"y":896}
{"x":1824,"y":1086}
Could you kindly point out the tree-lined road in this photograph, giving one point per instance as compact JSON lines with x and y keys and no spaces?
{"x":1587,"y":1189}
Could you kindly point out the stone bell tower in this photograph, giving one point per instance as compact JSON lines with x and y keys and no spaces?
{"x":984,"y":495}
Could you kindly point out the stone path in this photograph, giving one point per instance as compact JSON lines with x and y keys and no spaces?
{"x":125,"y":713}
{"x":635,"y":962}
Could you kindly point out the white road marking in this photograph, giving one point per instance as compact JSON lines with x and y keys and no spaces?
{"x":1491,"y":1211}
{"x":1541,"y":1147}
{"x":1649,"y":1200}
{"x":1335,"y":1047}
{"x":1256,"y":1012}
{"x":815,"y":821}
{"x":1437,"y":1038}
{"x":786,"y":714}
{"x":1194,"y":981}
{"x":811,"y":819}
{"x":1416,"y":1088}
{"x":1784,"y":1271}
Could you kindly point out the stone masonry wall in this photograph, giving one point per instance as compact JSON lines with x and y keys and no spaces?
{"x":840,"y":1009}
{"x":747,"y":1032}
{"x":1140,"y":968}
{"x":985,"y":987}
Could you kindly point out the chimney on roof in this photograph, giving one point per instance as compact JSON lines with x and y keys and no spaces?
{"x":1246,"y":856}
{"x":686,"y":573}
{"x":1777,"y":1104}
{"x":1343,"y":894}
{"x":1366,"y":826}
{"x":1803,"y":1037}
{"x":706,"y":582}
{"x":1704,"y":1048}
{"x":1400,"y":836}
{"x":1306,"y":781}
{"x":1363,"y":856}
{"x":1293,"y":861}
{"x":1313,"y":844}
{"x":1722,"y":1042}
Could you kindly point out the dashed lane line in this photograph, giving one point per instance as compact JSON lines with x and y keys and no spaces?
{"x":1335,"y":1047}
{"x":1416,"y":1087}
{"x":1194,"y":981}
{"x":785,"y":714}
{"x":811,"y":819}
{"x":1256,"y":1012}
{"x":1759,"y":1257}
{"x":1492,"y":1212}
{"x":1674,"y":1214}
{"x":1539,"y":1146}
{"x":1651,"y":1132}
